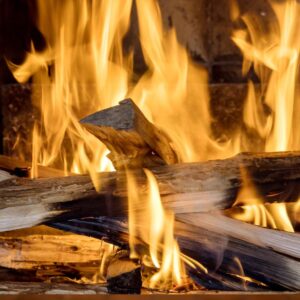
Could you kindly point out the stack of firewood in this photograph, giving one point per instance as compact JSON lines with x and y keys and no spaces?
{"x":198,"y":194}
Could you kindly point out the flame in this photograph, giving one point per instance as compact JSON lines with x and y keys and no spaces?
{"x":84,"y":69}
{"x":255,"y":211}
{"x":274,"y":53}
{"x":155,"y":227}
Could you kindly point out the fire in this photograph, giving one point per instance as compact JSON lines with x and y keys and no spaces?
{"x":274,"y":54}
{"x":253,"y":210}
{"x":152,"y":225}
{"x":84,"y":68}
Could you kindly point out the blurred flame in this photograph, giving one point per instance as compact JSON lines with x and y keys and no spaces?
{"x":155,"y":227}
{"x":253,"y":209}
{"x":274,"y":53}
{"x":84,"y":69}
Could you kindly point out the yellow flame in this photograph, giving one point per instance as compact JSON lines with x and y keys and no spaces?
{"x":274,"y":54}
{"x":84,"y":69}
{"x":255,"y":211}
{"x":154,"y":226}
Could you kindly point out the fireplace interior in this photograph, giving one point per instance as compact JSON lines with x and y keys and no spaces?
{"x":150,"y":147}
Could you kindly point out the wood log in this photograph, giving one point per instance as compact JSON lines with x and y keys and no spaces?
{"x":37,"y":288}
{"x":46,"y":254}
{"x":18,"y":167}
{"x":184,"y":188}
{"x":123,"y":275}
{"x":217,"y":251}
{"x":133,"y":141}
{"x":51,"y":254}
{"x":282,"y":242}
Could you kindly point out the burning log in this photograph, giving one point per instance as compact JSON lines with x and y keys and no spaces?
{"x":124,"y":275}
{"x":44,"y":253}
{"x":49,"y":253}
{"x":134,"y":142}
{"x":184,"y":188}
{"x":221,"y":253}
{"x":282,"y":242}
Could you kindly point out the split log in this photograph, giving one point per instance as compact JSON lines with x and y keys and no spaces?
{"x":37,"y":288}
{"x":218,"y":251}
{"x":184,"y":188}
{"x":123,"y":275}
{"x":46,"y":254}
{"x":55,"y":255}
{"x":18,"y":167}
{"x":282,"y":242}
{"x":134,"y":142}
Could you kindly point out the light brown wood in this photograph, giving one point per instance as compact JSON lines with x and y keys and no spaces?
{"x":184,"y":188}
{"x":8,"y":163}
{"x":37,"y":288}
{"x":53,"y":253}
{"x":134,"y":142}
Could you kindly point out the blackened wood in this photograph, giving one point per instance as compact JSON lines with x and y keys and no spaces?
{"x":134,"y":142}
{"x":217,"y":251}
{"x":123,"y":275}
{"x":184,"y":188}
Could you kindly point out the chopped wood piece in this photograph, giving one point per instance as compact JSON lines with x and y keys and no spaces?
{"x":36,"y":288}
{"x":134,"y":142}
{"x":123,"y":275}
{"x":184,"y":188}
{"x":19,"y":167}
{"x":220,"y":252}
{"x":51,"y":254}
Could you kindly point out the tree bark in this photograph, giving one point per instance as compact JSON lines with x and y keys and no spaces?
{"x":184,"y":188}
{"x":218,"y":251}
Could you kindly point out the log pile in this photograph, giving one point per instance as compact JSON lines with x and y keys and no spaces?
{"x":198,"y":193}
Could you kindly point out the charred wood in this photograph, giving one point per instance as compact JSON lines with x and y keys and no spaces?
{"x":219,"y":252}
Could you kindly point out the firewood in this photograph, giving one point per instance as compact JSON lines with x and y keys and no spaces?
{"x":37,"y":288}
{"x":217,"y":251}
{"x":46,"y":254}
{"x":17,"y":166}
{"x":285,"y":243}
{"x":134,"y":142}
{"x":184,"y":188}
{"x":49,"y":254}
{"x":123,"y":275}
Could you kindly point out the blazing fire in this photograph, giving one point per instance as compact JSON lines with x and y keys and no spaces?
{"x":85,"y":68}
{"x":155,"y":227}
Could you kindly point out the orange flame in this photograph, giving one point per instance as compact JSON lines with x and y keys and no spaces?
{"x":154,"y":226}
